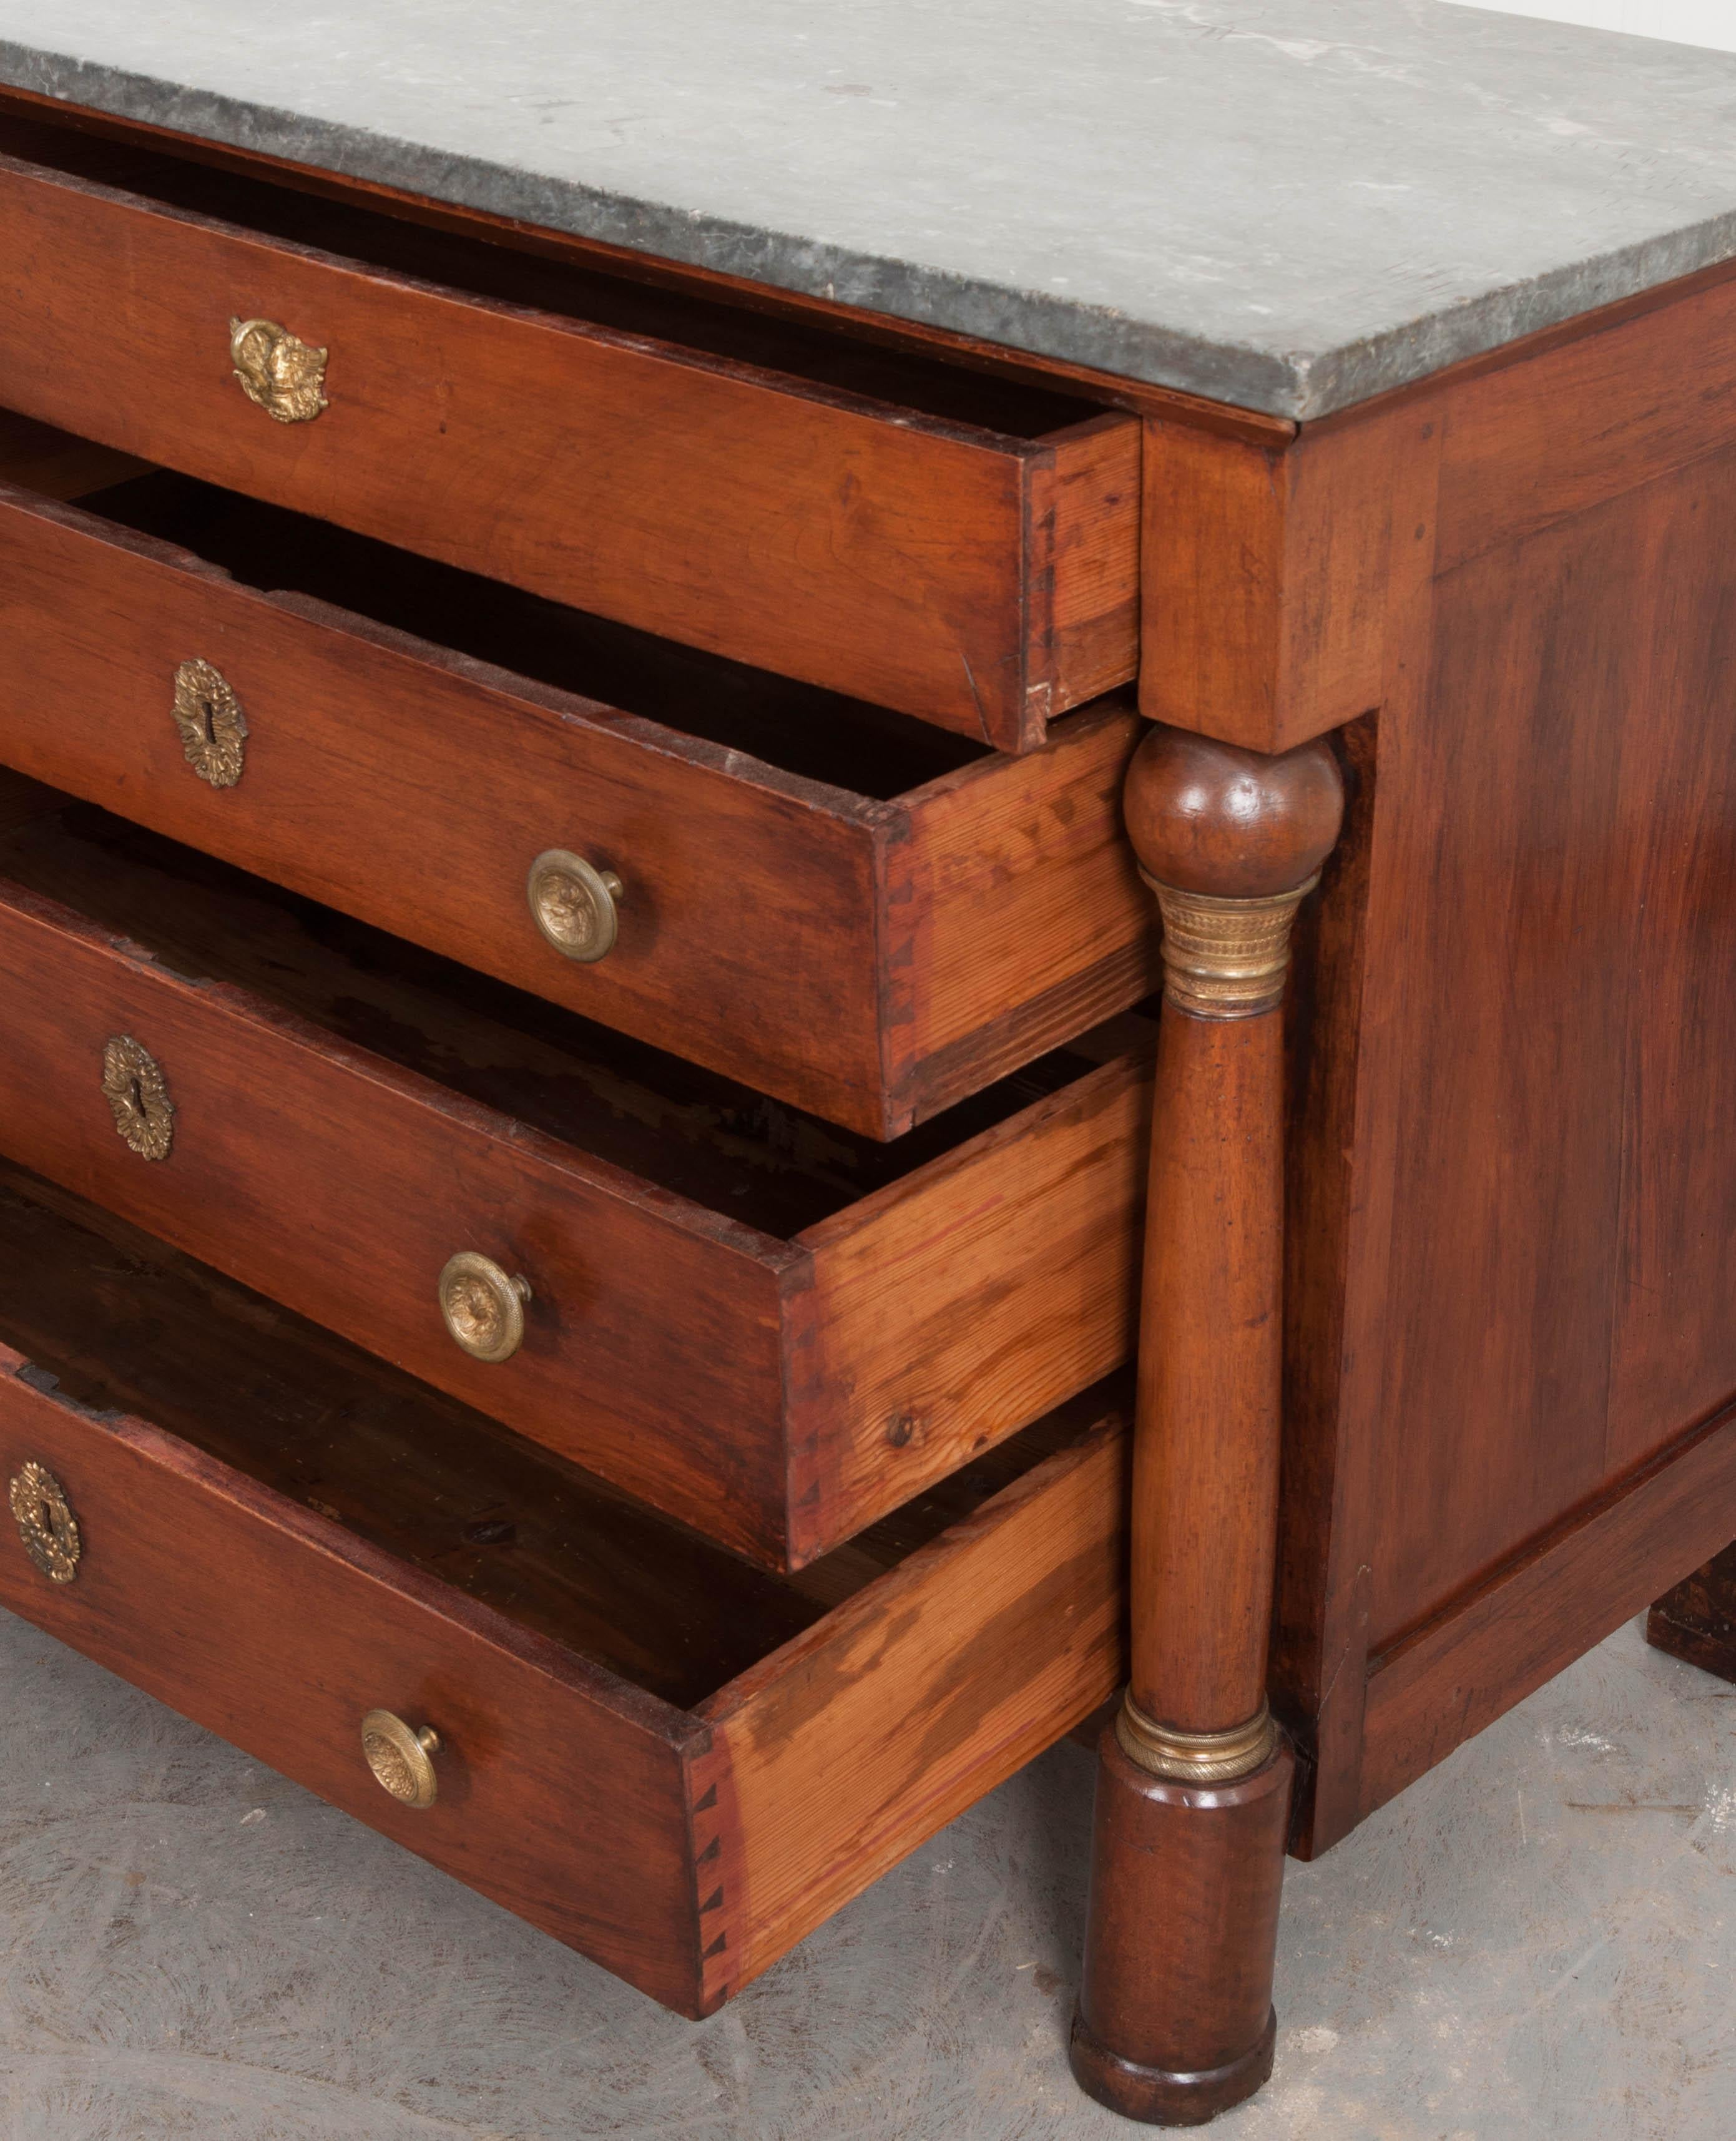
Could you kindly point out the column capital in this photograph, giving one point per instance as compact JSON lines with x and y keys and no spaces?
{"x":1209,"y":818}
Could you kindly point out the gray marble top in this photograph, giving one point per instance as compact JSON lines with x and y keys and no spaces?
{"x":1290,"y":205}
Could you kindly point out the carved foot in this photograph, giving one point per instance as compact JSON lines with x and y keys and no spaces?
{"x":1697,"y":1621}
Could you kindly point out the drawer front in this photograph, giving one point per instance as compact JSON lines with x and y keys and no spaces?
{"x":978,"y":581}
{"x":414,"y":789}
{"x":341,"y":1186}
{"x":685,"y":1849}
{"x":872,"y":961}
{"x":560,"y":1788}
{"x":777,"y":1393}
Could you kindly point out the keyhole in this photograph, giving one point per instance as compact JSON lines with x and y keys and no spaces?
{"x":135,"y":1092}
{"x":207,"y":715}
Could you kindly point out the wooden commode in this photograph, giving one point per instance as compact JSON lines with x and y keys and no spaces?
{"x":776,"y":1015}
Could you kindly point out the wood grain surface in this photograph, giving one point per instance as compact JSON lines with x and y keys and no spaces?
{"x":560,"y":1787}
{"x":1529,"y":827}
{"x":1015,"y":915}
{"x":262,"y":1568}
{"x":872,"y":954}
{"x":345,"y":1120}
{"x":1264,"y":580}
{"x":1175,"y":2018}
{"x":1534,"y":1165}
{"x":1574,"y":1587}
{"x":910,"y":559}
{"x":902,"y":1707}
{"x":999,"y":1280}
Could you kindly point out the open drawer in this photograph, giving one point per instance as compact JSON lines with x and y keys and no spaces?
{"x":768,"y":1327}
{"x":661,"y":1756}
{"x":962,"y":548}
{"x":856,"y":912}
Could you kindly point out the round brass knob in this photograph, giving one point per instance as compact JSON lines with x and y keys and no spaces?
{"x":574,"y":904}
{"x":484,"y":1306}
{"x":401,"y":1759}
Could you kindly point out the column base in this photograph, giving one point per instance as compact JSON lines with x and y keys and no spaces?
{"x":1160,"y":2096}
{"x":1175,"y":2019}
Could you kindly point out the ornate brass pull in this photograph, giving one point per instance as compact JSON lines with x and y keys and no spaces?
{"x":484,"y":1306}
{"x":46,"y":1524}
{"x":574,"y":904}
{"x":401,"y":1758}
{"x":138,"y":1094}
{"x":213,"y":729}
{"x":280,"y":374}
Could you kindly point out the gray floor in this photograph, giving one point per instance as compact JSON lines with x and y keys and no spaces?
{"x":1537,"y":1940}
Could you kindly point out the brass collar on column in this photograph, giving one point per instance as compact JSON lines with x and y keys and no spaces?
{"x":1226,"y":958}
{"x":1194,"y":1758}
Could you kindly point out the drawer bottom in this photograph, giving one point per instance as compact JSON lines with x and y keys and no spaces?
{"x":670,"y":1759}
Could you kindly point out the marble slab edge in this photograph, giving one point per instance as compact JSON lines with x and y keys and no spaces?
{"x":1301,"y":385}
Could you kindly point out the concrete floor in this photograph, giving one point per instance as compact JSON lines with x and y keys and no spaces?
{"x":1537,"y":1940}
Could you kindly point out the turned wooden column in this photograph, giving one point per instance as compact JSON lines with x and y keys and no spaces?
{"x":1175,"y":2021}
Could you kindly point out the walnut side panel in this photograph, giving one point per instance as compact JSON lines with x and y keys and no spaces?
{"x":1588,"y":421}
{"x":949,"y":1311}
{"x":560,"y":1788}
{"x":843,"y":1750}
{"x":1543,"y":1208}
{"x":1673,"y":1346}
{"x":1569,"y":1592}
{"x":1549,"y":970}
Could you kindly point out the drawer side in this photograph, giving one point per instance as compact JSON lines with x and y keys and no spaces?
{"x":1084,"y":534}
{"x":947,"y":1312}
{"x":1024,"y":903}
{"x":849,"y":1746}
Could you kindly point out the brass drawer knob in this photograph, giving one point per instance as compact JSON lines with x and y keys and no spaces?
{"x":484,"y":1306}
{"x":213,"y":729}
{"x":138,"y":1097}
{"x":574,"y":904}
{"x":280,"y":373}
{"x":45,"y":1523}
{"x":401,"y":1758}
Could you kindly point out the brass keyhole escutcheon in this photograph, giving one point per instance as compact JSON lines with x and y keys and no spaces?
{"x":574,"y":904}
{"x":45,"y":1523}
{"x":138,"y":1094}
{"x":278,"y":372}
{"x":213,"y":727}
{"x":401,"y":1758}
{"x":483,"y":1306}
